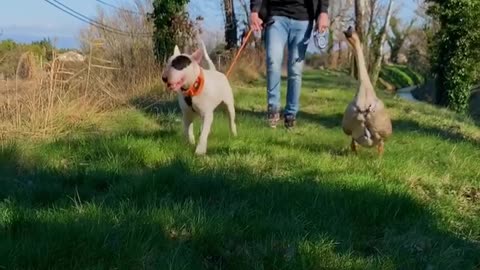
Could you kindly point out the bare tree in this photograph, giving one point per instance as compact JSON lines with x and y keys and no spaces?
{"x":231,"y":35}
{"x":373,"y":4}
{"x":398,"y":37}
{"x":377,"y":64}
{"x":246,"y":23}
{"x":339,"y":15}
{"x":360,"y":11}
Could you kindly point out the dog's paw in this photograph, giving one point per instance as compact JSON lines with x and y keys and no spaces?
{"x":233,"y":130}
{"x":200,"y":151}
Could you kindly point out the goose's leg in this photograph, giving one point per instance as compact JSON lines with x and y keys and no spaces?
{"x":381,"y":148}
{"x":354,"y":146}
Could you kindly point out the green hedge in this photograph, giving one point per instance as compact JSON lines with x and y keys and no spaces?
{"x":400,"y":76}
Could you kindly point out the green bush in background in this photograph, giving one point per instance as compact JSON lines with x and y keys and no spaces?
{"x":455,"y":51}
{"x":400,"y":76}
{"x":11,"y":51}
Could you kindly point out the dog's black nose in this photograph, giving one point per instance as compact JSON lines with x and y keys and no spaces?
{"x":165,"y":79}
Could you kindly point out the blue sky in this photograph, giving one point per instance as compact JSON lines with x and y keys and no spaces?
{"x":27,"y":20}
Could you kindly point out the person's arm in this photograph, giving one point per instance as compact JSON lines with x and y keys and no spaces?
{"x":255,"y":20}
{"x":322,"y":15}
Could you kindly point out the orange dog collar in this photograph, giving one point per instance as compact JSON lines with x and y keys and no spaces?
{"x":197,"y":87}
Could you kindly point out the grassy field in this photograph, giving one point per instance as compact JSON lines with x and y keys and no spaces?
{"x":125,"y":191}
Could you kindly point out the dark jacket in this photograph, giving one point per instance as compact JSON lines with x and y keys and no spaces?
{"x":295,"y":9}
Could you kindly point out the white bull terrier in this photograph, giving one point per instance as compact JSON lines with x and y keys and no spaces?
{"x":200,"y":91}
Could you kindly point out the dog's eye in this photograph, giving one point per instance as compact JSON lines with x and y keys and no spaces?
{"x":164,"y":79}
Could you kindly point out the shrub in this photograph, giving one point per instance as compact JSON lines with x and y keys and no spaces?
{"x":400,"y":76}
{"x":172,"y":26}
{"x":7,"y":45}
{"x":455,"y":54}
{"x":132,"y":54}
{"x":250,"y":66}
{"x":13,"y":56}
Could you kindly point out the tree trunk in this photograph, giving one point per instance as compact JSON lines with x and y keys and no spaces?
{"x":359,"y":23}
{"x":353,"y":64}
{"x":360,"y":9}
{"x":333,"y":57}
{"x":371,"y":19}
{"x":231,"y":36}
{"x":370,"y":30}
{"x":377,"y":65}
{"x":394,"y":51}
{"x":342,"y":55}
{"x":399,"y":37}
{"x":331,"y":47}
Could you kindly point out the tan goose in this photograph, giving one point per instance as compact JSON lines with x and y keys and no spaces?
{"x":366,"y":119}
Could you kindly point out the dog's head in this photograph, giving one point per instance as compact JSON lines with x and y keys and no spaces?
{"x":181,"y":69}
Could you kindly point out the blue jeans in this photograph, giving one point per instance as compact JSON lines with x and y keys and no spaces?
{"x":296,"y":35}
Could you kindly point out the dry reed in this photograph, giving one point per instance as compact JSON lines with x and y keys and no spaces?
{"x":55,"y":98}
{"x":58,"y":97}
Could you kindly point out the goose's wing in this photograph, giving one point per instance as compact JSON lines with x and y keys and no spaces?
{"x":348,"y":121}
{"x":380,"y":123}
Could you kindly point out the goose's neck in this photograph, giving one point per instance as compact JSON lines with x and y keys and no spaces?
{"x":366,"y":87}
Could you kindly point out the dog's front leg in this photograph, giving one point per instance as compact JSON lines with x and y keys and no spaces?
{"x":206,"y":125}
{"x":188,"y":127}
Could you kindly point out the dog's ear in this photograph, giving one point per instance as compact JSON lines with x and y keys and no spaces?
{"x":176,"y":51}
{"x":197,"y":56}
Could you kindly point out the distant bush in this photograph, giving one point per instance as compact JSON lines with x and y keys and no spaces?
{"x":7,"y":45}
{"x":11,"y":53}
{"x":400,"y":76}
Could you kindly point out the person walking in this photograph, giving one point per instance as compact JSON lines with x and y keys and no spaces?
{"x":287,"y":23}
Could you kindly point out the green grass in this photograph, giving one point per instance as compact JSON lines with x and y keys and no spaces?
{"x":401,"y":76}
{"x":129,"y":194}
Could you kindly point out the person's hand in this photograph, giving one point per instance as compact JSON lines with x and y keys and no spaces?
{"x":322,"y":22}
{"x":255,"y":22}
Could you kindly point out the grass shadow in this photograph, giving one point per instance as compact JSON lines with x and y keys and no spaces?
{"x":325,"y":120}
{"x":156,"y":105}
{"x":451,"y":133}
{"x":316,"y":148}
{"x":191,"y":214}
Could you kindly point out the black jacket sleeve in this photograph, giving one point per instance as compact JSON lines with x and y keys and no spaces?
{"x":255,"y":5}
{"x":322,"y":6}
